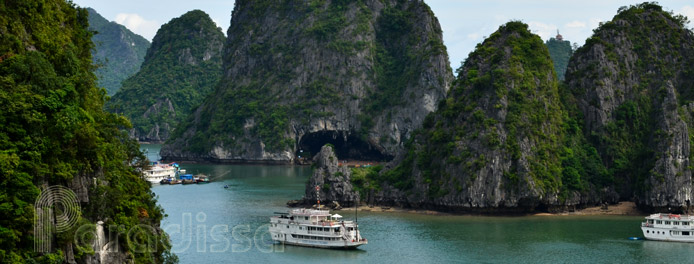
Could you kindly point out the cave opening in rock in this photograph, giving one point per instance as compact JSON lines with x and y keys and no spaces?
{"x":348,"y":147}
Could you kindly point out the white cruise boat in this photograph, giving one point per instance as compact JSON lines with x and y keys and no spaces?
{"x":669,"y":227}
{"x":315,"y":228}
{"x":159,"y":172}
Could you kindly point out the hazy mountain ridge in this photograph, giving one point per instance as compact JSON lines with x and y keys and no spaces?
{"x":118,"y":51}
{"x":182,"y":66}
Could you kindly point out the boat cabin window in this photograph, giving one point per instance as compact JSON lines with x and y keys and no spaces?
{"x":675,"y":223}
{"x":658,"y":222}
{"x":305,"y":217}
{"x":667,"y":222}
{"x":685,"y":223}
{"x":685,"y":233}
{"x":650,"y":221}
{"x":337,"y":229}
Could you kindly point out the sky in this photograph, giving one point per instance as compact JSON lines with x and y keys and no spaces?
{"x":464,"y":22}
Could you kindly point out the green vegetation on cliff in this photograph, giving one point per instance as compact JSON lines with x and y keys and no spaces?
{"x":180,"y":69}
{"x":345,"y":64}
{"x":509,"y":135}
{"x":54,"y":132}
{"x":560,"y":51}
{"x":645,"y":88}
{"x":504,"y":125}
{"x":118,"y":51}
{"x":497,"y":93}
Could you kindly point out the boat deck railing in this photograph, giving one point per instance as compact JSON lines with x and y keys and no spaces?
{"x":682,"y":227}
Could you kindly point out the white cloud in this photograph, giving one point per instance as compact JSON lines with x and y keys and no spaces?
{"x":474,"y":36}
{"x":545,"y":31}
{"x":575,"y":24}
{"x":594,"y":23}
{"x":139,"y":25}
{"x":687,"y":11}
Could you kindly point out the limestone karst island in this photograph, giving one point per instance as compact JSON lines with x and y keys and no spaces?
{"x":346,"y":131}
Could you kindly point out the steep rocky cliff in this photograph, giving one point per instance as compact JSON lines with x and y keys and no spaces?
{"x":361,"y":75}
{"x":180,"y":69}
{"x":509,"y":138}
{"x":493,"y":142}
{"x":334,"y":181}
{"x":118,"y":51}
{"x":632,"y":82}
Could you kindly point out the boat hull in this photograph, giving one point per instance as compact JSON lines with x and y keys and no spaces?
{"x":154,"y":180}
{"x":321,"y":244}
{"x":665,"y":234}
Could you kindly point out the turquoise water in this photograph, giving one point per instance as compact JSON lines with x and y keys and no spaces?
{"x":211,"y":224}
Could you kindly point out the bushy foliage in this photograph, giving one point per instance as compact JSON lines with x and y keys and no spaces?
{"x":54,"y":129}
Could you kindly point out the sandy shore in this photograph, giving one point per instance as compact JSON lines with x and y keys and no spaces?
{"x":366,"y":208}
{"x":622,"y":208}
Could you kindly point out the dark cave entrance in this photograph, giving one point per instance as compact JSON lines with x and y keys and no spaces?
{"x":349,"y":147}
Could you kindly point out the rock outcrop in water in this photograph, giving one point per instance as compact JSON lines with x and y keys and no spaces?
{"x":180,"y":69}
{"x":334,"y":181}
{"x":361,"y":75}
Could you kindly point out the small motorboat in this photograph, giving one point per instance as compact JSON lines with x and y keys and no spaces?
{"x":202,"y":178}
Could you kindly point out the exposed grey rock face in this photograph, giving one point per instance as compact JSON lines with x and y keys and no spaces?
{"x":633,"y":84}
{"x":486,"y":148}
{"x":180,"y":69}
{"x":159,"y":132}
{"x":297,"y":75}
{"x":333,"y":181}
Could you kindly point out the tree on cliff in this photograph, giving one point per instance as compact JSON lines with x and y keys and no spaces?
{"x":55,"y":132}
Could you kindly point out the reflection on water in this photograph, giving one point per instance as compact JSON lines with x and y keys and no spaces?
{"x":211,"y":224}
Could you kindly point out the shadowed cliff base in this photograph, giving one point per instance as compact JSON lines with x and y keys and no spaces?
{"x":347,"y":146}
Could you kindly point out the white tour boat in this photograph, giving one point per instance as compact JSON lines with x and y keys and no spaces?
{"x":315,"y":228}
{"x":159,"y":172}
{"x":669,"y":227}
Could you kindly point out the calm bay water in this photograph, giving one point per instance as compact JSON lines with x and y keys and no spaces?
{"x":210,"y":224}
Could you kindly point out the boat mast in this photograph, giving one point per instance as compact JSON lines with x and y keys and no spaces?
{"x":356,"y":217}
{"x":318,"y":197}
